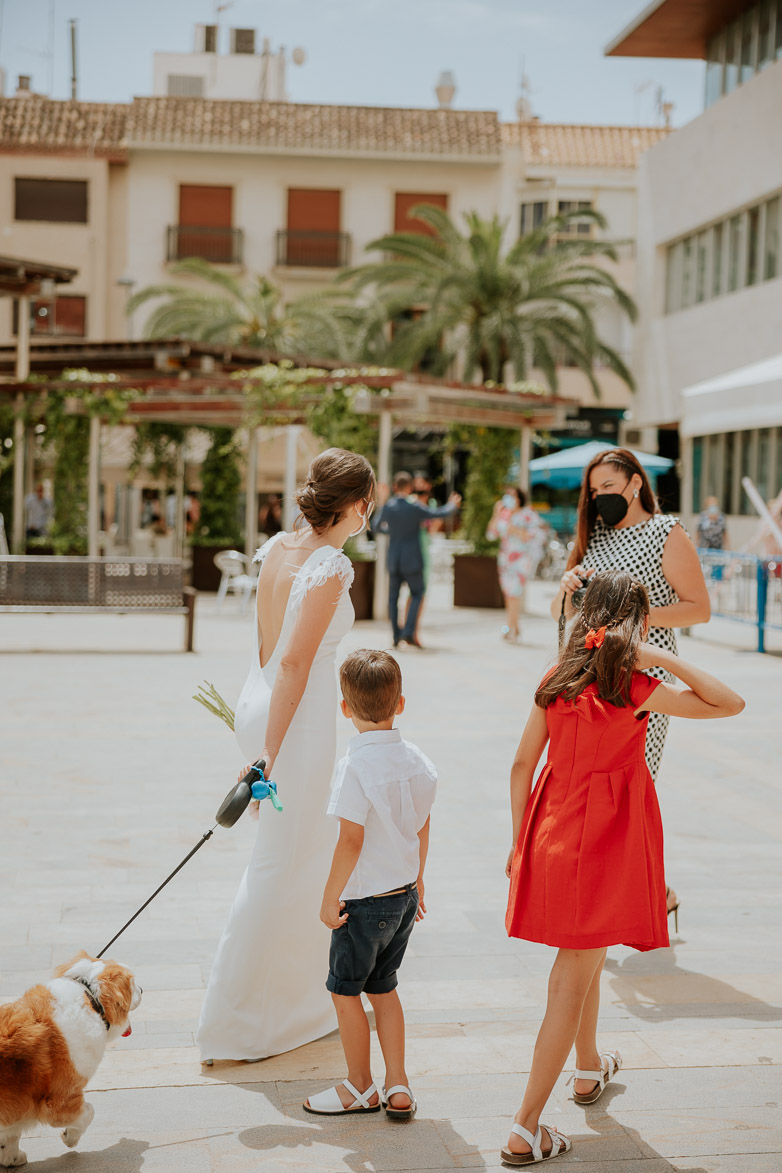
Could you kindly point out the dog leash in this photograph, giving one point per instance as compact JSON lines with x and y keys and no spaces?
{"x":232,"y":807}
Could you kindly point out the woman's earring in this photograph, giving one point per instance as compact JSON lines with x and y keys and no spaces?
{"x":635,"y":494}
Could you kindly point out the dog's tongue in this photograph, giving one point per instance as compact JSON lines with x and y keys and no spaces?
{"x":125,"y":1033}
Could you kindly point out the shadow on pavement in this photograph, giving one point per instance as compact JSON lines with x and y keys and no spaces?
{"x":126,"y":1156}
{"x":632,"y":982}
{"x":603,"y":1124}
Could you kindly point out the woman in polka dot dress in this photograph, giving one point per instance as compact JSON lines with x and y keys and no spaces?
{"x":620,"y":527}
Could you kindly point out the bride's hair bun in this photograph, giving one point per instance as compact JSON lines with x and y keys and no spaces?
{"x":336,"y":480}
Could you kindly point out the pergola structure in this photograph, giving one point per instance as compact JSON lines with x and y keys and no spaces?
{"x":25,"y":280}
{"x":193,"y":383}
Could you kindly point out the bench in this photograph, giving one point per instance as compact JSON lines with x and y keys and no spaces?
{"x":50,"y":584}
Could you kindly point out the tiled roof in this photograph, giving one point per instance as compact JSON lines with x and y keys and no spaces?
{"x":36,"y":123}
{"x":560,"y":145}
{"x":291,"y":126}
{"x":39,"y":124}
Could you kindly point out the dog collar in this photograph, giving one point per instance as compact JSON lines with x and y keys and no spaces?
{"x":95,"y":1001}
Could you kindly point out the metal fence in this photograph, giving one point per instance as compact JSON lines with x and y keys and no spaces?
{"x":745,"y":589}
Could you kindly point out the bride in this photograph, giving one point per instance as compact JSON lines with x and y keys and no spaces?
{"x":267,"y":992}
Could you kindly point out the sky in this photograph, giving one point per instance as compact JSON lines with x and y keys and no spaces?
{"x":369,"y":52}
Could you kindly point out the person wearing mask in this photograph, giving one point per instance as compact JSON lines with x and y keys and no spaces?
{"x":621,"y":527}
{"x":521,"y":535}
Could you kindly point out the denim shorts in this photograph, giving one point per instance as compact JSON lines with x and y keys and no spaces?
{"x":368,"y":949}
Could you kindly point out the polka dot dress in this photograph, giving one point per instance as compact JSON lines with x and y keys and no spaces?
{"x":638,"y":549}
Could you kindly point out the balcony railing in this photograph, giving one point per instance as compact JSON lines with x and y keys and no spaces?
{"x":221,"y":246}
{"x":317,"y":250}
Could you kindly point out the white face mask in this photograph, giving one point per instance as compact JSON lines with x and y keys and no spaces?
{"x":365,"y":516}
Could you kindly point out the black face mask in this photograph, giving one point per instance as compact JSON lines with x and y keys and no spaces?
{"x":611,"y":507}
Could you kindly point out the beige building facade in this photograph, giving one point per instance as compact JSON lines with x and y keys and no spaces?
{"x":708,"y":348}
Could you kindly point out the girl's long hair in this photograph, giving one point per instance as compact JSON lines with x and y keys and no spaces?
{"x":625,"y":460}
{"x":614,"y":600}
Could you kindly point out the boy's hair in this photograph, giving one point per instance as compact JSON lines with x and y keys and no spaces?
{"x":614,"y":600}
{"x":371,"y":684}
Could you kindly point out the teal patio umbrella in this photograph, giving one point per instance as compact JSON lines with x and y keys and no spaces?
{"x":565,"y":469}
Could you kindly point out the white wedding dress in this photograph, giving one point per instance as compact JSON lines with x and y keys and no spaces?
{"x":267,"y":989}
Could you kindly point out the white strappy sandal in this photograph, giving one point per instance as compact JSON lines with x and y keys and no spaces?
{"x":398,"y":1113}
{"x":610,"y":1064}
{"x":328,"y":1103}
{"x":560,"y":1144}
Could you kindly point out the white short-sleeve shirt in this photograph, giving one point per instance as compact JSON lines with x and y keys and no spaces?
{"x":388,"y":786}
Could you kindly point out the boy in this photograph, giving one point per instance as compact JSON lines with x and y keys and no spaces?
{"x":382,"y":794}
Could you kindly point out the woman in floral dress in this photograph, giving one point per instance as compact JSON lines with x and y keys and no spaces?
{"x":521,"y":535}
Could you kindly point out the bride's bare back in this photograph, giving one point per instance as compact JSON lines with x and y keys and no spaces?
{"x":287,"y":556}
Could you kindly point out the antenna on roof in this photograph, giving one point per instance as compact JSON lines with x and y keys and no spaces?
{"x":524,"y":111}
{"x":72,"y":23}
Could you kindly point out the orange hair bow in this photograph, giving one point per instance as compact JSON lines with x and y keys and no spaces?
{"x":594,"y":639}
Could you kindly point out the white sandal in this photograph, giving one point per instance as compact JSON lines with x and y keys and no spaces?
{"x":610,"y":1064}
{"x":559,"y":1144}
{"x":398,"y":1113}
{"x":328,"y":1103}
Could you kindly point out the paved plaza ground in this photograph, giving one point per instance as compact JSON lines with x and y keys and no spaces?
{"x":110,"y":772}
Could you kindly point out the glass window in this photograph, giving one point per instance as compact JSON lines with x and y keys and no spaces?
{"x":673,"y":278}
{"x":771,"y":249}
{"x":764,"y":34}
{"x":62,"y":201}
{"x":745,"y":506}
{"x":532,"y":216}
{"x":714,"y":68}
{"x":764,"y":462}
{"x":734,"y":247}
{"x":747,"y":65}
{"x":732,"y":55}
{"x":576,"y":227}
{"x":713,"y":465}
{"x":753,"y":240}
{"x":778,"y":31}
{"x":730,"y":464}
{"x":716,"y":260}
{"x":688,"y":275}
{"x":697,"y":466}
{"x":700,"y":266}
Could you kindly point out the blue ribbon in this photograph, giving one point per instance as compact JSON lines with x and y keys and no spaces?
{"x":265,"y":789}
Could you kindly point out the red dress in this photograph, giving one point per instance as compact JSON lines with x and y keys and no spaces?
{"x":588,"y":867}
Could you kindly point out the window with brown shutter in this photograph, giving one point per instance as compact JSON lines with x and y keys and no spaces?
{"x":205,"y":225}
{"x":313,"y":234}
{"x":61,"y":201}
{"x":63,"y":316}
{"x":404,"y":201}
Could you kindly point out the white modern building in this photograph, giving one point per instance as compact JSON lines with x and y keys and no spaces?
{"x":250,"y":68}
{"x":708,"y":348}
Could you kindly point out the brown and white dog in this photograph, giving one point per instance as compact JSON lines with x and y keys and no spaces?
{"x":51,"y":1042}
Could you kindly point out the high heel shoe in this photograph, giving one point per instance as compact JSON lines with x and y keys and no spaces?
{"x":673,"y":909}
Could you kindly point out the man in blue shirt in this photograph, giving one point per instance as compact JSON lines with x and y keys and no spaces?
{"x":401,"y":519}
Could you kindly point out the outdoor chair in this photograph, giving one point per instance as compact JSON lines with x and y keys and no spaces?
{"x":235,"y":575}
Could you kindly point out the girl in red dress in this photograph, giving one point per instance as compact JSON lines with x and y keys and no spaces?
{"x":586,"y":869}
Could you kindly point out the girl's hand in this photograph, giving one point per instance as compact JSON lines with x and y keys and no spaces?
{"x":331,"y":913}
{"x":571,"y":579}
{"x":509,"y":864}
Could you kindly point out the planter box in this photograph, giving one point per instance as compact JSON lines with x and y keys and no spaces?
{"x":475,"y":581}
{"x":205,"y":575}
{"x":363,"y":589}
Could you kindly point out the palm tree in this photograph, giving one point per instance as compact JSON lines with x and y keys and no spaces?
{"x":530,"y":306}
{"x":241,"y":313}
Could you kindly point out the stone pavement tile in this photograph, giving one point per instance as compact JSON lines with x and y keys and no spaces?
{"x":353,"y":1142}
{"x":715,"y":1046}
{"x":711,"y":1163}
{"x":139,"y":1041}
{"x":140,"y":1149}
{"x":709,"y":1130}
